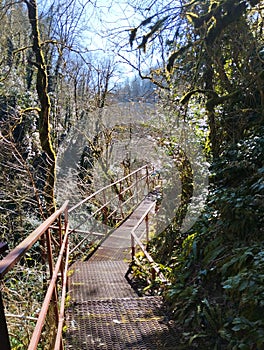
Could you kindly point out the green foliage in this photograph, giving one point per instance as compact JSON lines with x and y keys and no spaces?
{"x":216,"y":269}
{"x":242,"y":277}
{"x":144,"y":280}
{"x":216,"y":289}
{"x":218,"y":298}
{"x":239,"y":195}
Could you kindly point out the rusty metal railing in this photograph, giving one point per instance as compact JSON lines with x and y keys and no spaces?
{"x":57,"y":269}
{"x":120,"y":195}
{"x":136,"y":242}
{"x":126,"y":190}
{"x":118,"y":182}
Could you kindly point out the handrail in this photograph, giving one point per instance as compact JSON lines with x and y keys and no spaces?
{"x":105,"y":203}
{"x":7,"y":263}
{"x":43,"y":312}
{"x":17,"y":253}
{"x":155,"y":269}
{"x":152,"y":206}
{"x":63,"y":299}
{"x":106,"y":187}
{"x":52,"y":296}
{"x":135,"y":240}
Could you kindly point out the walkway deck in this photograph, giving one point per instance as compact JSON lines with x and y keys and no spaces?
{"x":105,"y":312}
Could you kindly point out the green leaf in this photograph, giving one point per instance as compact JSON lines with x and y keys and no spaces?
{"x":243,"y":347}
{"x":236,"y":328}
{"x":196,"y":336}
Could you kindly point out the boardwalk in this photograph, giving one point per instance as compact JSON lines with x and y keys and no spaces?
{"x":105,"y":312}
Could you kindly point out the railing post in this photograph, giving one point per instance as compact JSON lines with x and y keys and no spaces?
{"x":51,"y":268}
{"x":60,"y":231}
{"x":49,"y":251}
{"x":60,"y":240}
{"x":147,"y":178}
{"x":137,"y":187}
{"x":147,"y":227}
{"x":120,"y":200}
{"x":66,"y":220}
{"x":133,"y":250}
{"x":4,"y":337}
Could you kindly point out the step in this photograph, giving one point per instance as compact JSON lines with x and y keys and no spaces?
{"x":120,"y":324}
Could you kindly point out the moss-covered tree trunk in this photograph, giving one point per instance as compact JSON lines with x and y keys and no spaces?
{"x":44,"y":111}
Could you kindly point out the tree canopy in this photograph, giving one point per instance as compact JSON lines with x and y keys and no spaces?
{"x":211,"y":57}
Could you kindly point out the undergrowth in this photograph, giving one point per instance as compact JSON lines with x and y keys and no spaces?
{"x":216,"y":290}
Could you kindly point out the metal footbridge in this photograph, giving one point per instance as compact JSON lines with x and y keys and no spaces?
{"x":88,"y":251}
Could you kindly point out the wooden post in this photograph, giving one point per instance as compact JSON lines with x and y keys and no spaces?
{"x":4,"y":337}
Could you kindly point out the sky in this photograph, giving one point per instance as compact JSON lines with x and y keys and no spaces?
{"x":112,"y":17}
{"x":103,"y":24}
{"x":111,"y":23}
{"x":103,"y":32}
{"x":99,"y":18}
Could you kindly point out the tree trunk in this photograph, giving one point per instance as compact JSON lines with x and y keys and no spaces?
{"x":44,"y":112}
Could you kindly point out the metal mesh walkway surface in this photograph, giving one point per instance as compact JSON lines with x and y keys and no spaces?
{"x":105,"y":312}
